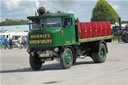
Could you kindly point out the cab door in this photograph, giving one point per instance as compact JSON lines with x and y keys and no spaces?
{"x":68,"y":31}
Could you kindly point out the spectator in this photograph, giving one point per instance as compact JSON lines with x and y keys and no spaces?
{"x":25,"y":41}
{"x":19,"y":40}
{"x":6,"y":43}
{"x":22,"y":40}
{"x":10,"y":43}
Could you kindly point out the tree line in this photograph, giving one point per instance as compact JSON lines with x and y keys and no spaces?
{"x":8,"y":22}
{"x":123,"y":22}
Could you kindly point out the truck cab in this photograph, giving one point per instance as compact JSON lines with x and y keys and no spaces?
{"x":51,"y":30}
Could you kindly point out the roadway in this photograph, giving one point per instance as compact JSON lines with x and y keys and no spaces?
{"x":15,"y":69}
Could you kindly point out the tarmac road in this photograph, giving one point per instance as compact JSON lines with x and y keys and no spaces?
{"x":15,"y":69}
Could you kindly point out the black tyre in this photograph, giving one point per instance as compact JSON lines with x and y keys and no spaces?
{"x":35,"y":62}
{"x":74,"y":56}
{"x":66,"y":58}
{"x":74,"y":59}
{"x":100,"y":55}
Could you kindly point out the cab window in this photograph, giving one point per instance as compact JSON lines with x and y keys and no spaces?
{"x":67,"y":22}
{"x":34,"y":25}
{"x":48,"y":23}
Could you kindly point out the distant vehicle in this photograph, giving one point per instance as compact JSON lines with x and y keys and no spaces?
{"x":15,"y":38}
{"x":121,"y":31}
{"x":14,"y":35}
{"x":50,"y":37}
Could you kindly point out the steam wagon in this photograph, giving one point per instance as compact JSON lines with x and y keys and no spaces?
{"x":56,"y":35}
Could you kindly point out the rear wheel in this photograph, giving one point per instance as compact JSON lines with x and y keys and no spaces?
{"x":66,"y":58}
{"x":35,"y":62}
{"x":100,"y":56}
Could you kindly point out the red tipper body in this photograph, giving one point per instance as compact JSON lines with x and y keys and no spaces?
{"x":104,"y":28}
{"x":83,"y":30}
{"x":79,"y":28}
{"x":94,"y":29}
{"x":108,"y":28}
{"x":99,"y":30}
{"x":89,"y":29}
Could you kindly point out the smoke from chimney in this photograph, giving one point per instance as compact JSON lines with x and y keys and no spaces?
{"x":37,"y":3}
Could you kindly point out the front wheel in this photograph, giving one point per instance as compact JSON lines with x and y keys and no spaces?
{"x":35,"y":62}
{"x":100,"y":56}
{"x":66,"y":58}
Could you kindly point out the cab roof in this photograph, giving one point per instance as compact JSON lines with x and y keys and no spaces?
{"x":51,"y":15}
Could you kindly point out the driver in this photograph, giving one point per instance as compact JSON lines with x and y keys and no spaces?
{"x":67,"y":22}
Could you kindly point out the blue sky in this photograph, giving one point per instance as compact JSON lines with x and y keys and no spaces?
{"x":20,"y":9}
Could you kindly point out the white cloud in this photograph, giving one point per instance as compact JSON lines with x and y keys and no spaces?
{"x":12,"y":4}
{"x":116,"y":7}
{"x":29,"y":11}
{"x":50,"y":5}
{"x":37,"y":3}
{"x":47,"y":4}
{"x":71,"y":12}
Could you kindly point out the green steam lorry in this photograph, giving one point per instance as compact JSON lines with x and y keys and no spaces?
{"x":56,"y":35}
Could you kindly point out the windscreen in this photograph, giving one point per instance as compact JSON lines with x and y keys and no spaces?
{"x":47,"y":23}
{"x":34,"y":24}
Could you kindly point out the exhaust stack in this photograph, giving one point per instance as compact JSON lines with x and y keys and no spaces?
{"x":41,"y":11}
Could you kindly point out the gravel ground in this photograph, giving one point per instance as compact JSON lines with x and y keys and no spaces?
{"x":15,"y":69}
